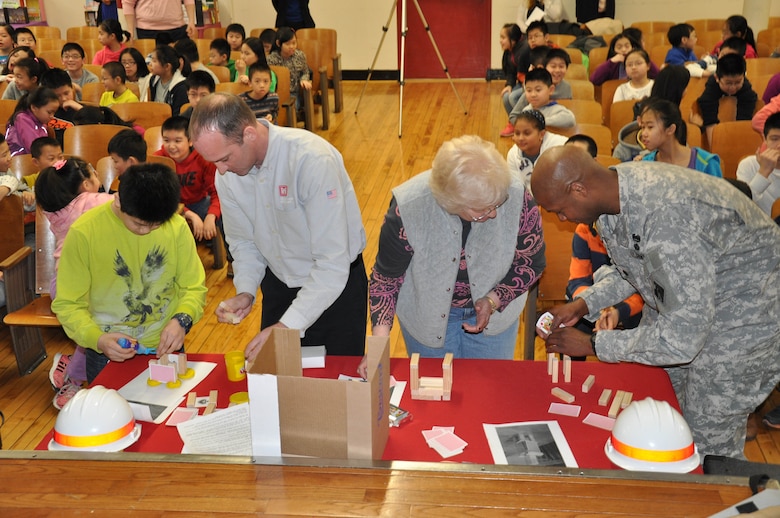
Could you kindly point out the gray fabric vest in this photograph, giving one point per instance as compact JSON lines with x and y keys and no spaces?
{"x":435,"y":235}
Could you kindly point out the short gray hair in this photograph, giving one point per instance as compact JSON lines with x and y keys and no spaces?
{"x":222,"y":113}
{"x":469,"y":173}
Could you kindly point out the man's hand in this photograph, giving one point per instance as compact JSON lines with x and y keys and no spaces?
{"x":240,"y":306}
{"x":257,"y":343}
{"x":609,"y":319}
{"x":108,"y":345}
{"x":171,"y":338}
{"x":568,"y":340}
{"x":566,"y":314}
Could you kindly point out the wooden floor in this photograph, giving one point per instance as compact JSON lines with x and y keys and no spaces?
{"x":377,"y":160}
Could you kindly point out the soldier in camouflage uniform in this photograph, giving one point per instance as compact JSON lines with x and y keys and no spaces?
{"x":706,"y":261}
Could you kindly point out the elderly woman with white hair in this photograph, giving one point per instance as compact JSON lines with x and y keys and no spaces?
{"x":459,"y":248}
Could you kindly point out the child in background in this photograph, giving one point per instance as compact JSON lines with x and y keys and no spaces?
{"x":73,"y":61}
{"x":199,"y":85}
{"x":137,"y":236}
{"x":762,"y":170}
{"x":28,"y":122}
{"x":65,"y":191}
{"x":27,"y":72}
{"x":614,"y":66}
{"x":112,"y":37}
{"x":588,"y":255}
{"x":556,"y":62}
{"x":235,"y":36}
{"x":9,"y":184}
{"x":538,"y":92}
{"x":167,"y":83}
{"x":729,"y":79}
{"x":25,"y":38}
{"x":196,"y":175}
{"x":252,"y":52}
{"x":538,"y":34}
{"x":189,"y":50}
{"x":286,"y":54}
{"x":530,"y":140}
{"x":136,"y":71}
{"x":219,"y":54}
{"x":126,"y":148}
{"x":113,"y":77}
{"x":263,"y":102}
{"x":268,"y":38}
{"x":7,"y":41}
{"x":682,"y":38}
{"x":45,"y":151}
{"x":737,"y":26}
{"x":16,"y":55}
{"x":664,"y":134}
{"x":514,"y":64}
{"x":59,"y":81}
{"x":638,"y":87}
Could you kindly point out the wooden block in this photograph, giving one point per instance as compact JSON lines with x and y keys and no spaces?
{"x":163,"y":360}
{"x":627,"y":397}
{"x":604,"y":398}
{"x":555,"y":369}
{"x":429,"y":394}
{"x":181,"y":363}
{"x":428,"y":382}
{"x":614,"y":408}
{"x":213,"y":396}
{"x":414,"y":372}
{"x":209,"y":408}
{"x":550,"y":357}
{"x":588,"y":383}
{"x":562,"y":394}
{"x":566,"y":368}
{"x":191,"y":399}
{"x":446,"y":367}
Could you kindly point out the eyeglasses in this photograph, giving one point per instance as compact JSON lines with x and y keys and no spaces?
{"x":71,"y":56}
{"x":128,"y":63}
{"x":489,"y":211}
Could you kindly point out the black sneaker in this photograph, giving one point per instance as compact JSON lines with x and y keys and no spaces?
{"x":772,"y":419}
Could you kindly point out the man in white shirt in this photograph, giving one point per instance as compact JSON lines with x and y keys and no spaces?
{"x":293,"y":224}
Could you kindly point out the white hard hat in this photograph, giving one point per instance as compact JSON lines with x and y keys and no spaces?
{"x":96,"y":419}
{"x":650,"y":435}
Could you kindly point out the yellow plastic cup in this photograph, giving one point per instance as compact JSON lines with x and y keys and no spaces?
{"x":238,"y":398}
{"x":234,"y":362}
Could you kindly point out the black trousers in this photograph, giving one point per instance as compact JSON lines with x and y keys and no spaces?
{"x":341,"y":328}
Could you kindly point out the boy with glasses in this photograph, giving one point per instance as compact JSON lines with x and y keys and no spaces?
{"x":73,"y":62}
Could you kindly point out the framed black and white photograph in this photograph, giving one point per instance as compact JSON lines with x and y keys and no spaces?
{"x":537,"y":443}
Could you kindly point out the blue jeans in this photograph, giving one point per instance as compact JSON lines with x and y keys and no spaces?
{"x":466,"y":345}
{"x":512,"y":97}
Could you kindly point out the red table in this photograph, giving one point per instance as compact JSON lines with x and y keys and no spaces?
{"x":484,"y":391}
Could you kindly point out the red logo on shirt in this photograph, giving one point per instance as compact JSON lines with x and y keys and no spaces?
{"x":282,"y":190}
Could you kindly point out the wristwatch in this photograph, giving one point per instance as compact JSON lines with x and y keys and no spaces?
{"x":185,"y":321}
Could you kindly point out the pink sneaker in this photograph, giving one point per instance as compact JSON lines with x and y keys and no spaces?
{"x":57,"y":375}
{"x":508,"y":131}
{"x":64,"y":395}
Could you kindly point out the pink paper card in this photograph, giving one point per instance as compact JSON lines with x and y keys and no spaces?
{"x":451,"y":441}
{"x":431,"y":435}
{"x":563,"y":409}
{"x":181,"y":415}
{"x":450,"y":429}
{"x":162,"y":373}
{"x":599,"y":421}
{"x":444,"y":452}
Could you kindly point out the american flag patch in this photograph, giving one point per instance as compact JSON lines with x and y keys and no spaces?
{"x":331,"y":194}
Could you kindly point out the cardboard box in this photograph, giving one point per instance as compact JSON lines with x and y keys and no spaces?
{"x":328,"y":418}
